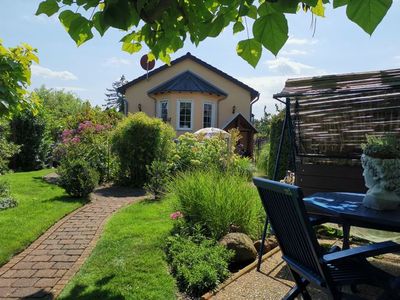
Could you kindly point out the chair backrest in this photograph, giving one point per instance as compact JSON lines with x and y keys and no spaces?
{"x":286,"y":212}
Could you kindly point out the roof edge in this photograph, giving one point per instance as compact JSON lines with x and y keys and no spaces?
{"x":188,"y":55}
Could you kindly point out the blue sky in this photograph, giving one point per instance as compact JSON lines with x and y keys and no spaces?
{"x":338,"y":46}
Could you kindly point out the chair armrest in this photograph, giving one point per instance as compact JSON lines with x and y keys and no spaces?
{"x":363,"y":252}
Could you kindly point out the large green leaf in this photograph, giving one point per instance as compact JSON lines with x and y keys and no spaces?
{"x":120,"y":14}
{"x":131,"y":47}
{"x":48,"y":7}
{"x":367,"y":13}
{"x":339,"y":3}
{"x":271,"y":31}
{"x":99,"y":24}
{"x":237,"y":27}
{"x":216,"y":26}
{"x":77,"y":26}
{"x":250,"y":50}
{"x":285,"y":6}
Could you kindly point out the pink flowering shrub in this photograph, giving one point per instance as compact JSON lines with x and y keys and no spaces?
{"x":176,"y":215}
{"x":90,"y":142}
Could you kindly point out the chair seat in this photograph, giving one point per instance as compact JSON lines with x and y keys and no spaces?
{"x":355,"y":271}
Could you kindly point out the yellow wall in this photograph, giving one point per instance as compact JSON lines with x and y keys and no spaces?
{"x":237,"y":96}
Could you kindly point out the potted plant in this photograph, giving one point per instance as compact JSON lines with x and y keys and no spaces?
{"x":381,"y":163}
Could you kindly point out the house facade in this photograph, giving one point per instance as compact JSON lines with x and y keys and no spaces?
{"x":190,"y":94}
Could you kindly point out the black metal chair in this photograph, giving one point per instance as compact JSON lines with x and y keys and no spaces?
{"x":305,"y":258}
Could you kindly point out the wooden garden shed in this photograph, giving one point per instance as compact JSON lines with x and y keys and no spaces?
{"x":327,"y":120}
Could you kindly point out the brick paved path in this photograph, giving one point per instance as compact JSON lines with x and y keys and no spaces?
{"x":43,"y":269}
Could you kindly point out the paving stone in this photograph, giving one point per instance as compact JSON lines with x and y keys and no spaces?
{"x":23,"y":265}
{"x":28,"y":292}
{"x":5,"y":292}
{"x":47,"y":282}
{"x":43,"y":258}
{"x":24,"y":282}
{"x":23,"y":273}
{"x":6,"y":282}
{"x":43,"y":265}
{"x":46,"y":273}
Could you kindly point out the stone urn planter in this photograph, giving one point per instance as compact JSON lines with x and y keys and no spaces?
{"x":382,"y":178}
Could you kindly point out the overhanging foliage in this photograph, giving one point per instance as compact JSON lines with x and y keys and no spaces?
{"x":164,"y":25}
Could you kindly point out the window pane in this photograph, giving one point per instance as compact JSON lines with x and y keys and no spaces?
{"x":185,"y":109}
{"x":207,"y":115}
{"x":164,"y":111}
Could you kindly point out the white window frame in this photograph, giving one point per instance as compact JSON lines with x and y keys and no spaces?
{"x":213,"y":113}
{"x":160,"y":108}
{"x":178,"y":114}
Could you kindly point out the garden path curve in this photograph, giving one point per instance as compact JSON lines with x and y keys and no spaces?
{"x":43,"y":269}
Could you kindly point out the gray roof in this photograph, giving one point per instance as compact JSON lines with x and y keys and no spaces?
{"x":187,"y":82}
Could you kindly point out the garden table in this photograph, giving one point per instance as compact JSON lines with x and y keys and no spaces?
{"x":347,"y":209}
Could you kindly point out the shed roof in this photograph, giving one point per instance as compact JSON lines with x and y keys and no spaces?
{"x":236,"y":117}
{"x":253,"y":92}
{"x":187,"y":82}
{"x":342,"y":83}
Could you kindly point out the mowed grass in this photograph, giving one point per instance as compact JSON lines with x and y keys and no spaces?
{"x":128,"y":261}
{"x":40,"y":205}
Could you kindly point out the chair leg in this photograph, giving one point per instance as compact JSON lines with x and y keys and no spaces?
{"x":300,"y":288}
{"x":261,"y":250}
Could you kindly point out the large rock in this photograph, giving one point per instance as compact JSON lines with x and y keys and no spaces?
{"x":269,"y":244}
{"x":242,"y":245}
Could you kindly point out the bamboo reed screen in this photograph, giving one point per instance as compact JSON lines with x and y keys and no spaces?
{"x":331,"y":115}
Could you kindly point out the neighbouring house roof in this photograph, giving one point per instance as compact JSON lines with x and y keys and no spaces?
{"x":187,"y":82}
{"x":236,"y":117}
{"x":253,"y":92}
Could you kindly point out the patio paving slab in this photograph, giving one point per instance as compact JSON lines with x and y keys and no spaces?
{"x":42,"y":270}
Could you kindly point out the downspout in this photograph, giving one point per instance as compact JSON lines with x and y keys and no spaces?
{"x":155,"y":104}
{"x":219,"y":100}
{"x":251,"y":107}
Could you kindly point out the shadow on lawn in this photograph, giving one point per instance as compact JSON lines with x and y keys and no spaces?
{"x":79,"y":292}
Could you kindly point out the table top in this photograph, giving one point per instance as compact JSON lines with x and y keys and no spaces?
{"x":347,"y":208}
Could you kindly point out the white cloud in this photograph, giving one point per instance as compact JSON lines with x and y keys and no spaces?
{"x":295,"y":41}
{"x":48,"y":73}
{"x":267,"y":86}
{"x":70,"y":88}
{"x":116,"y":61}
{"x":293,"y":52}
{"x":287,"y":66}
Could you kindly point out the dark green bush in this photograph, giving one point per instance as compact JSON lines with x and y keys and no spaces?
{"x":262,"y":159}
{"x":159,"y":176}
{"x":217,"y":201}
{"x":138,"y":141}
{"x":7,"y":148}
{"x":77,"y":177}
{"x":197,"y":266}
{"x":286,"y":162}
{"x":29,"y":131}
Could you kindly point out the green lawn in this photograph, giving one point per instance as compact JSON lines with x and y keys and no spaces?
{"x":128,"y":261}
{"x":40,"y":206}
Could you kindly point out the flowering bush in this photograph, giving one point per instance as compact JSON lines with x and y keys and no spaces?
{"x":90,"y":142}
{"x":6,"y":200}
{"x":198,"y":152}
